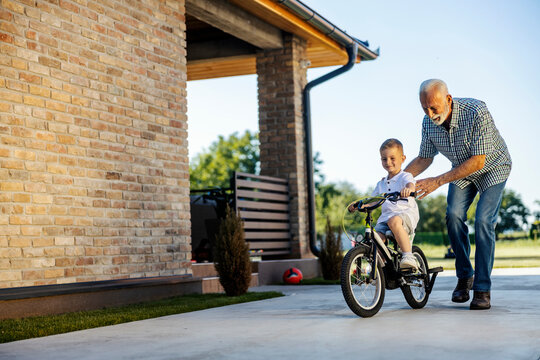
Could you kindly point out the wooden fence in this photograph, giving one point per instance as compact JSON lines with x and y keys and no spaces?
{"x":263,"y":204}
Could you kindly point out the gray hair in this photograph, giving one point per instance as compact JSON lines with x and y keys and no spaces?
{"x":433,"y":84}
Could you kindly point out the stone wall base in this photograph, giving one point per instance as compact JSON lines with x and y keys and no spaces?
{"x":59,"y":299}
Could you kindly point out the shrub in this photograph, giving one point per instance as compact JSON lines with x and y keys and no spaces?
{"x":331,"y":254}
{"x":432,"y":238}
{"x":231,"y":255}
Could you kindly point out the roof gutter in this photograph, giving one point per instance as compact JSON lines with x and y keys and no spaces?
{"x":354,"y":48}
{"x":329,"y":29}
{"x":352,"y":52}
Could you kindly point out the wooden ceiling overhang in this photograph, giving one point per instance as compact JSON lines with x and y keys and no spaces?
{"x":224,"y":36}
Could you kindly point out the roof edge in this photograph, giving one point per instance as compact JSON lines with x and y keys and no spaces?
{"x":327,"y":28}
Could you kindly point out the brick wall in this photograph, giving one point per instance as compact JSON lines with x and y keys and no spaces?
{"x":94,"y":179}
{"x":281,"y":80}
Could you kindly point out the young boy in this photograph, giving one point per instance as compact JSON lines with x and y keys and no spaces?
{"x":400,"y":217}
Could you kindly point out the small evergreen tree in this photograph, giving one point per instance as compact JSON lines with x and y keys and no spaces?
{"x":231,"y":255}
{"x":331,"y":253}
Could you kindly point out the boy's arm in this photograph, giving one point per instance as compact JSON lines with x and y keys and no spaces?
{"x":408,"y":189}
{"x":352,"y":207}
{"x":375,"y":192}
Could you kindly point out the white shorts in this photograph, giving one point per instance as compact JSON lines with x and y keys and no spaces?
{"x":383,"y":227}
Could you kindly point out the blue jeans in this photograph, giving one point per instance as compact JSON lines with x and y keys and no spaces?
{"x":459,"y":201}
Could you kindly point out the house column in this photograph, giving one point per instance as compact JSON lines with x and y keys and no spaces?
{"x":281,"y":79}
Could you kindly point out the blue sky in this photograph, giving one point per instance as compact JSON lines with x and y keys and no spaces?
{"x":488,"y":50}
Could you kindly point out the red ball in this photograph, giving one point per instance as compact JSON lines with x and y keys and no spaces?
{"x":292,"y":276}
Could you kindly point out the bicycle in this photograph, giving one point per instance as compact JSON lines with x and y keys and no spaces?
{"x":372,"y":266}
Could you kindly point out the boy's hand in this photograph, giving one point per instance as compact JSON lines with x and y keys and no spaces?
{"x":352,"y":207}
{"x":407,"y":190}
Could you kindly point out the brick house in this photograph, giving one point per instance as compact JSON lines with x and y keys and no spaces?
{"x":94,"y":181}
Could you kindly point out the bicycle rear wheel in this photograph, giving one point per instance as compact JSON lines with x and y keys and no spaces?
{"x":363,"y":295}
{"x":416,"y":294}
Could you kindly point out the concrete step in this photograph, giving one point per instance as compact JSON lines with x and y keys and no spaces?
{"x":211,"y":284}
{"x":203,"y":270}
{"x":264,"y":272}
{"x":209,"y":270}
{"x":210,"y":279}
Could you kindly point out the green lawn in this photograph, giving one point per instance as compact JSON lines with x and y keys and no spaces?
{"x":508,"y":254}
{"x":19,"y":329}
{"x":318,"y":281}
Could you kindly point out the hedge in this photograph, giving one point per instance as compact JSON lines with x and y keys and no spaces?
{"x":435,"y":238}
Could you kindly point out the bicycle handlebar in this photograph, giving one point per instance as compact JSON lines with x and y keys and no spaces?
{"x":397,"y":195}
{"x":393,"y":196}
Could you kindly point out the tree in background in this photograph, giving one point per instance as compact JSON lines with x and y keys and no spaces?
{"x":513,"y":214}
{"x":431,"y":227}
{"x":537,"y":212}
{"x":318,"y":176}
{"x":331,"y":201}
{"x":535,"y":226}
{"x":432,"y":214}
{"x":215,"y":166}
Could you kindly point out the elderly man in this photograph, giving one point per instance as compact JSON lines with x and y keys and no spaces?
{"x":463,"y":131}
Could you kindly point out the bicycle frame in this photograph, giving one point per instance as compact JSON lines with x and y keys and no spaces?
{"x":379,"y":261}
{"x":377,"y":245}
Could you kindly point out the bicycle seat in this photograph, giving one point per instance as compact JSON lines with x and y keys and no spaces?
{"x":390,"y":235}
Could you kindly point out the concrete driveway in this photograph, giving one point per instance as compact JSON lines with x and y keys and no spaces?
{"x":313,"y":322}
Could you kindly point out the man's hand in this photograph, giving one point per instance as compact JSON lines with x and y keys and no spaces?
{"x":425,"y":187}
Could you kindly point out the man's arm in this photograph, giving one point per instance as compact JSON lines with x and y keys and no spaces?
{"x":427,"y":186}
{"x":418,"y":165}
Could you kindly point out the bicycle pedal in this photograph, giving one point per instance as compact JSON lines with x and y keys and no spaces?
{"x":410,"y":271}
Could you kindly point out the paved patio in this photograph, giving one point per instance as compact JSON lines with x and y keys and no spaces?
{"x":313,"y":322}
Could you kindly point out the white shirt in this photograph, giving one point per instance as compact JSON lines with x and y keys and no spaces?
{"x":389,"y":208}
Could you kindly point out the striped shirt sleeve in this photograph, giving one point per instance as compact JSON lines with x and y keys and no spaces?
{"x":427,"y":148}
{"x":481,"y":143}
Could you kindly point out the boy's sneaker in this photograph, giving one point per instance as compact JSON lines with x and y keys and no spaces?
{"x":408,"y":261}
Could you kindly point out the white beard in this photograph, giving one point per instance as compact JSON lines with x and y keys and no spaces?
{"x":440,"y":118}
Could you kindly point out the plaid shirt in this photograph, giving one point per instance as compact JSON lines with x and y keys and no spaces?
{"x":472,"y":132}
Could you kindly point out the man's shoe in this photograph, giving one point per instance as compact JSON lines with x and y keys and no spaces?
{"x":461,"y":292}
{"x":481,"y":300}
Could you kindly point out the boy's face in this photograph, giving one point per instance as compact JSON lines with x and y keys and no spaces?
{"x":391,"y":159}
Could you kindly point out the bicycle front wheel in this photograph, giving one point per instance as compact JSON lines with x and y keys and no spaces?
{"x":363,"y":295}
